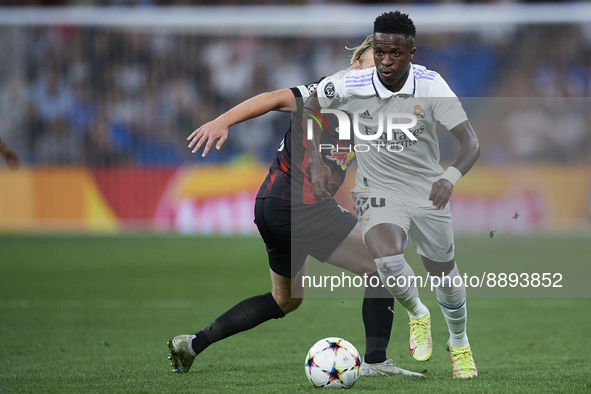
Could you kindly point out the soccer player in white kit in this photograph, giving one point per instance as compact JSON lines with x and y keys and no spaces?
{"x":401,"y":191}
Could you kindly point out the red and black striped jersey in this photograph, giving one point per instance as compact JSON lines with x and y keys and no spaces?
{"x":288,"y":177}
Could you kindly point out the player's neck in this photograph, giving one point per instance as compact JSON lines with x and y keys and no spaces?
{"x":397,"y":86}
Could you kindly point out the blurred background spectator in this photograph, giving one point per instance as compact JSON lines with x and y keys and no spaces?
{"x":105,"y":96}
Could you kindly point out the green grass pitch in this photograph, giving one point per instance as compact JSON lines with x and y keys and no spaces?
{"x":93,"y":314}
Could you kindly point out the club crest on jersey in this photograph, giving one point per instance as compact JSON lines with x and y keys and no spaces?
{"x":342,"y":159}
{"x":329,"y":90}
{"x":419,"y":112}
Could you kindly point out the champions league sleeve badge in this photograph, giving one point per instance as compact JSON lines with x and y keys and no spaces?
{"x":329,"y":90}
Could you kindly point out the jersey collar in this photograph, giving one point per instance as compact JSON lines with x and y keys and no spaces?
{"x":408,"y":89}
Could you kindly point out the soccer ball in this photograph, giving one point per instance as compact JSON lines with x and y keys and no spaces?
{"x":332,"y":363}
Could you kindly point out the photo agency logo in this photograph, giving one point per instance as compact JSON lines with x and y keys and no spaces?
{"x":393,"y":129}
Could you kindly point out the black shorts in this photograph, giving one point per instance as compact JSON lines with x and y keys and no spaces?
{"x":293,"y":231}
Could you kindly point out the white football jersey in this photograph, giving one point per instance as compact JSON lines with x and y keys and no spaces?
{"x":395,"y":162}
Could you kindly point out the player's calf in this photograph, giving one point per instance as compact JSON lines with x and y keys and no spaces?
{"x":451,"y":296}
{"x":399,"y":278}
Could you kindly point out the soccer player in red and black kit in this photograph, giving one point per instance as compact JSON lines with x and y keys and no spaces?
{"x":293,"y":225}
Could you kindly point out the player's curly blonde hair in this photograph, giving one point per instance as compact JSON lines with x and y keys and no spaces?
{"x":359,"y":50}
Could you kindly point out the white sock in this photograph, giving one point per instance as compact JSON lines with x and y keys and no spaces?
{"x":452,"y":301}
{"x":392,"y":267}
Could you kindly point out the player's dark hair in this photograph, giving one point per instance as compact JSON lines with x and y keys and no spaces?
{"x":395,"y":23}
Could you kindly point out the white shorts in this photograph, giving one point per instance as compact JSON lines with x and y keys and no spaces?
{"x":428,"y":229}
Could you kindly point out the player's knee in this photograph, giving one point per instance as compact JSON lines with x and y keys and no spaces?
{"x":439,"y":269}
{"x":379,"y":248}
{"x":288,"y":304}
{"x":385,"y":240}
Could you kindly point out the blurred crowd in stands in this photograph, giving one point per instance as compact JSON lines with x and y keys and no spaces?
{"x":233,"y":2}
{"x":100,"y":96}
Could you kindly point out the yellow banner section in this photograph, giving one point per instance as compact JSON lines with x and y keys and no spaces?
{"x":212,"y":182}
{"x":220,"y":199}
{"x":16,"y":199}
{"x":540,"y":197}
{"x":53,"y":198}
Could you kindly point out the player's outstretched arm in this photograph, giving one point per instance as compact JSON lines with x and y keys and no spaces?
{"x":12,"y":160}
{"x":320,"y":175}
{"x":217,"y":129}
{"x":467,"y":156}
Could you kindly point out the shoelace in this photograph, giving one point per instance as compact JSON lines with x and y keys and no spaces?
{"x":457,"y":355}
{"x":420,"y":335}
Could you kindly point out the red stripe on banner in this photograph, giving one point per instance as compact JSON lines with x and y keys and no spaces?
{"x":133,"y":193}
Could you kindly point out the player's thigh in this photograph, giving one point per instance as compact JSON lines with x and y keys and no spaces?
{"x":319,"y":229}
{"x":273,"y":220}
{"x":383,"y":219}
{"x":352,"y":254}
{"x":431,"y":233}
{"x":385,"y":239}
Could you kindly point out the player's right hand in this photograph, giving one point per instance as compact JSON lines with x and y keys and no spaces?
{"x":321,"y":180}
{"x":208,"y":134}
{"x":440,"y":193}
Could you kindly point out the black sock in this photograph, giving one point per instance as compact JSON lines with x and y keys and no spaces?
{"x":377,"y":319}
{"x":241,"y":317}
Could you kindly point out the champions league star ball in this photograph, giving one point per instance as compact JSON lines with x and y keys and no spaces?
{"x":332,"y":363}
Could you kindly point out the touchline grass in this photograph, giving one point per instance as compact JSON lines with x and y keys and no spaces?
{"x":93,"y":314}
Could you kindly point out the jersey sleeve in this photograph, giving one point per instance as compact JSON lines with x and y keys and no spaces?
{"x":331,"y":90}
{"x":305,"y":91}
{"x":446,"y":105}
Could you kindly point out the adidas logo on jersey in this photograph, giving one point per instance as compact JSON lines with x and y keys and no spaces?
{"x":365,"y":115}
{"x":451,"y":249}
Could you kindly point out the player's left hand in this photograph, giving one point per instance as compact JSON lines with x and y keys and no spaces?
{"x":440,"y":193}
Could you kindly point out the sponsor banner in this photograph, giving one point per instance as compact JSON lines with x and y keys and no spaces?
{"x":209,"y":200}
{"x":220,"y":199}
{"x":189,"y":200}
{"x":514,"y":199}
{"x":66,"y":199}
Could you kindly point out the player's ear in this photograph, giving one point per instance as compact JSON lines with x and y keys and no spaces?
{"x":412,"y":53}
{"x":356,"y":65}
